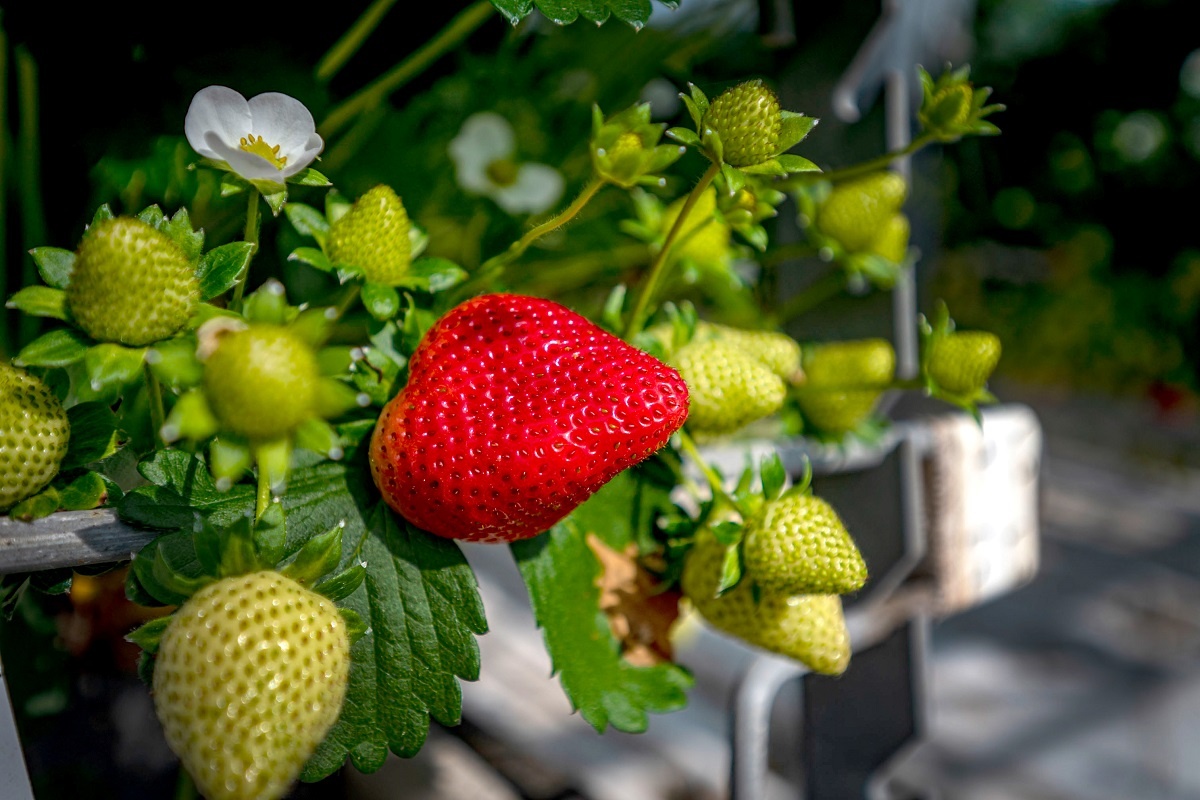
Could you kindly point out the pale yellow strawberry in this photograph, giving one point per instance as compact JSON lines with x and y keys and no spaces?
{"x":249,"y":677}
{"x":33,"y":435}
{"x":728,"y":388}
{"x":748,"y":121}
{"x":373,"y":236}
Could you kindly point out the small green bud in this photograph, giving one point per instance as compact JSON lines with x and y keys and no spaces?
{"x":626,"y":150}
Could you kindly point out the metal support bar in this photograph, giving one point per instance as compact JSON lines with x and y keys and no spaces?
{"x":68,"y":539}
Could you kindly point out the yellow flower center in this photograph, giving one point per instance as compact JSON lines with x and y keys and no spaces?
{"x":259,"y":147}
{"x":628,"y":142}
{"x":502,"y":172}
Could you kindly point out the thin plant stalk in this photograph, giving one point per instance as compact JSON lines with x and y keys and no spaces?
{"x":808,"y":298}
{"x":873,"y":165}
{"x":715,"y":484}
{"x":345,"y":47}
{"x":29,"y":178}
{"x":251,"y":236}
{"x":154,"y":395}
{"x":262,"y":498}
{"x":4,"y":154}
{"x":450,"y":37}
{"x":658,"y":268}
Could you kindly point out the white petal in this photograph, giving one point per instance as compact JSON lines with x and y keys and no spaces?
{"x":281,"y":120}
{"x":484,"y":138}
{"x":248,"y":165}
{"x":536,"y":189}
{"x":216,"y":110}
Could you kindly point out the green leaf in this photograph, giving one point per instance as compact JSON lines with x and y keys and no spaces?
{"x":40,"y":301}
{"x":180,"y":487}
{"x":773,"y":476}
{"x":319,"y":555}
{"x":727,"y":532}
{"x":380,"y":300}
{"x":433,"y":275}
{"x":179,"y":228}
{"x":564,"y":12}
{"x":57,"y":348}
{"x":84,"y":493}
{"x":423,"y":608}
{"x":220,"y":267}
{"x":560,"y":573}
{"x":93,"y":434}
{"x":54,"y":265}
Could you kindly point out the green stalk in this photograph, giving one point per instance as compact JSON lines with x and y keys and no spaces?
{"x":714,"y":480}
{"x":450,"y":37}
{"x":873,"y":165}
{"x":659,"y":267}
{"x":351,"y":40}
{"x":496,"y":265}
{"x":348,"y":298}
{"x":4,"y":344}
{"x":185,"y":788}
{"x":262,"y":498}
{"x":251,"y":236}
{"x":154,"y":394}
{"x":29,"y":176}
{"x":811,"y":296}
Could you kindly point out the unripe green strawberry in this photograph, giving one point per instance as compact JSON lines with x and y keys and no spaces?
{"x":809,"y":628}
{"x":778,"y":351}
{"x":961,"y":362}
{"x":728,"y":387}
{"x":747,"y":119}
{"x":892,"y":241}
{"x":844,"y":381}
{"x":33,"y":435}
{"x":261,"y":382}
{"x":857,"y":209}
{"x":249,"y":677}
{"x":131,"y":284}
{"x":798,"y":544}
{"x":373,"y":236}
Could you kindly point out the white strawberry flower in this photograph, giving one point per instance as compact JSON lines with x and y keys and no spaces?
{"x":483,"y":154}
{"x":266,"y":139}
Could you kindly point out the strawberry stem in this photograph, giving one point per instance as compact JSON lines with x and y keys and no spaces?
{"x":714,"y":480}
{"x":251,"y":236}
{"x":370,"y":96}
{"x":154,"y":394}
{"x":873,"y":165}
{"x":351,"y":40}
{"x":262,"y":499}
{"x":808,"y":298}
{"x":659,"y":266}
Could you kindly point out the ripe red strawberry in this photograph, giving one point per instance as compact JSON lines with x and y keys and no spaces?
{"x":33,"y":435}
{"x":249,"y":677}
{"x":516,"y":411}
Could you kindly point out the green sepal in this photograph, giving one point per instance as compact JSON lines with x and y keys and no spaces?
{"x":145,"y":668}
{"x":149,"y":636}
{"x":203,"y":312}
{"x":771,"y":166}
{"x":336,"y":207}
{"x":179,"y":229}
{"x":308,"y":221}
{"x":792,"y":164}
{"x":108,"y":369}
{"x":238,"y":555}
{"x":313,"y":257}
{"x":94,"y":435}
{"x":268,"y":304}
{"x":793,"y":128}
{"x":313,"y":325}
{"x":152,"y":216}
{"x":319,"y":556}
{"x":685,"y":136}
{"x":309,"y":177}
{"x":231,"y":184}
{"x":177,"y":584}
{"x":40,"y":505}
{"x":773,"y":476}
{"x":356,"y":626}
{"x":58,"y":348}
{"x":219,"y":268}
{"x":54,"y":264}
{"x":276,"y":197}
{"x":274,"y":457}
{"x":318,"y":436}
{"x":732,"y":569}
{"x":191,"y":418}
{"x":433,"y":275}
{"x":41,"y":301}
{"x":103,"y":213}
{"x":229,"y":458}
{"x":381,"y":301}
{"x":86,"y":492}
{"x":734,"y":178}
{"x":333,"y":361}
{"x":270,"y":535}
{"x":613,"y":317}
{"x":334,"y":398}
{"x":727,"y":532}
{"x":342,"y":585}
{"x":418,"y":239}
{"x":174,"y":362}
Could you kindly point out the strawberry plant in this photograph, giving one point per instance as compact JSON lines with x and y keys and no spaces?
{"x":318,"y":421}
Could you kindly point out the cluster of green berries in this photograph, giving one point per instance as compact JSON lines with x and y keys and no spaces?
{"x":843,"y":382}
{"x":799,"y":558}
{"x":863,"y":216}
